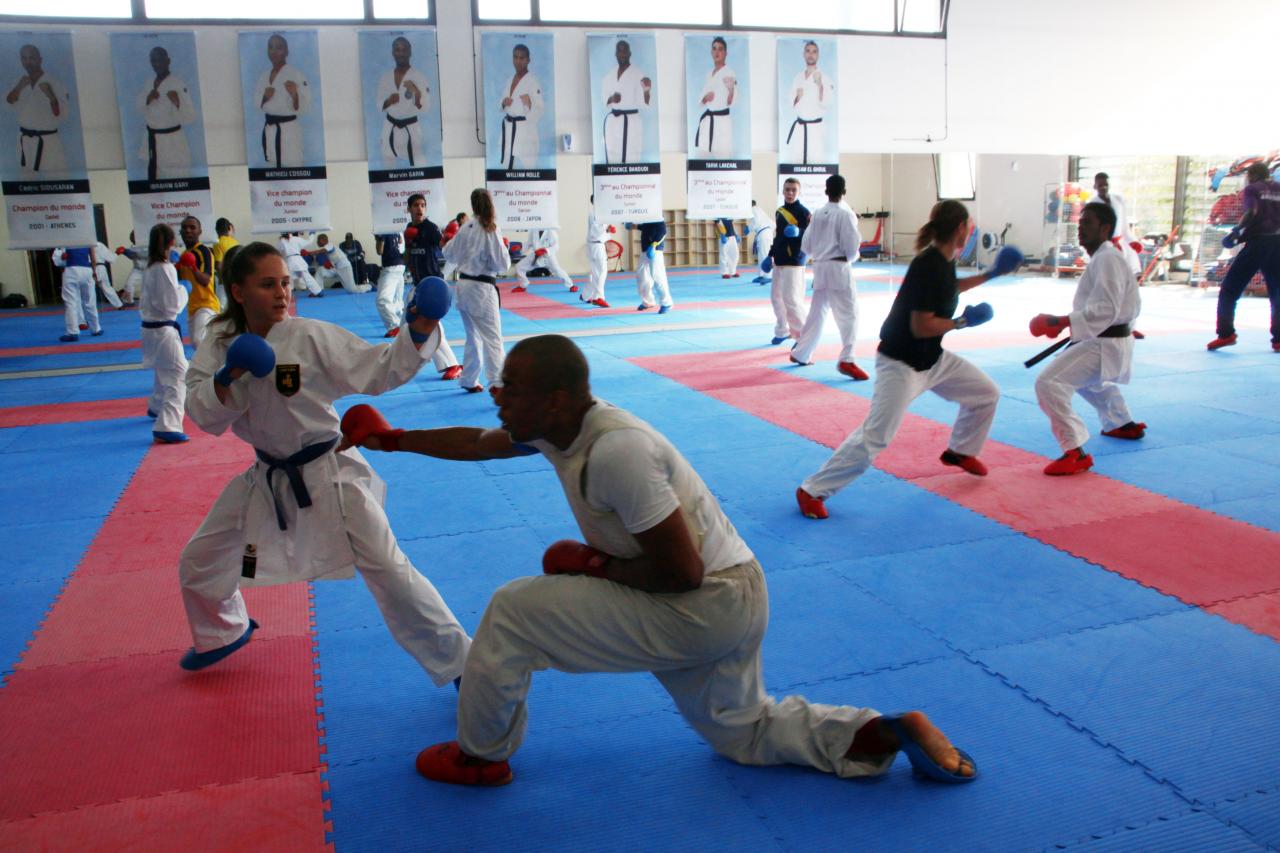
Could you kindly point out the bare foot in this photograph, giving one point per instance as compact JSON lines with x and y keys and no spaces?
{"x":933,"y":742}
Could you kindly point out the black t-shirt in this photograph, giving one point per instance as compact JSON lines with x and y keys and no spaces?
{"x":786,"y":250}
{"x":422,"y":253}
{"x":930,"y":285}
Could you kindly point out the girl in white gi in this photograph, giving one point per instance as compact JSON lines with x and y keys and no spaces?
{"x":291,"y":247}
{"x":713,"y":136}
{"x":282,"y":93}
{"x":626,"y":91}
{"x":1100,"y":356}
{"x":664,"y":584}
{"x":166,"y":107}
{"x":302,"y":511}
{"x":597,"y":258}
{"x":541,"y":249}
{"x":41,"y":103}
{"x":480,"y":256}
{"x":162,"y":302}
{"x":911,"y":361}
{"x":521,"y":111}
{"x":812,"y":94}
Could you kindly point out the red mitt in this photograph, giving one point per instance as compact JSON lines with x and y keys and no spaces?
{"x":188,"y":260}
{"x":364,"y":421}
{"x":410,"y":234}
{"x":567,"y":557}
{"x":1048,"y":325}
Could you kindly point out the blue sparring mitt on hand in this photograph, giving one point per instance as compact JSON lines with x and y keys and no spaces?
{"x":975,"y":315}
{"x":648,"y":252}
{"x":1232,"y":239}
{"x":250,"y":352}
{"x":431,"y":298}
{"x":791,"y":231}
{"x":724,"y":238}
{"x":766,"y":266}
{"x":1007,"y":260}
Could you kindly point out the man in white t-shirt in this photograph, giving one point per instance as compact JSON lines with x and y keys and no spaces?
{"x":665,"y":585}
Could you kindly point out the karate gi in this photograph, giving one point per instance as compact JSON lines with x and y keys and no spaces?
{"x":713,"y":136}
{"x":78,"y":299}
{"x":281,"y":130}
{"x":402,"y":134}
{"x":341,"y":269}
{"x":159,"y":307}
{"x":133,"y":284}
{"x":291,"y":247}
{"x":761,"y":235}
{"x":520,"y":144}
{"x":597,"y":258}
{"x":831,"y":242}
{"x":1093,"y":366}
{"x":480,"y":257}
{"x":40,"y":153}
{"x":164,"y":146}
{"x":728,"y":247}
{"x":344,"y":528}
{"x":1123,"y":234}
{"x":623,"y":126}
{"x":101,"y":258}
{"x":546,"y":240}
{"x":806,"y":140}
{"x":621,"y":477}
{"x":390,"y":301}
{"x":651,"y":269}
{"x":787,"y":290}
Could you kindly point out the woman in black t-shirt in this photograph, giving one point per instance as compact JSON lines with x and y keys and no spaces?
{"x":911,"y":360}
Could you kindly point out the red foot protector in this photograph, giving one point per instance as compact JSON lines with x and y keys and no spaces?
{"x":65,"y":413}
{"x":446,"y":762}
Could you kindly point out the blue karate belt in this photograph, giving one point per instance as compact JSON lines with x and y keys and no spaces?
{"x":160,"y":324}
{"x":292,"y":469}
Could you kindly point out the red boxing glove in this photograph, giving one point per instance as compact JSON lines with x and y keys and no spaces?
{"x":537,"y":253}
{"x":612,"y":230}
{"x":1136,"y":246}
{"x":119,"y":250}
{"x":304,"y":253}
{"x":363,"y":422}
{"x":188,"y":260}
{"x":328,"y":265}
{"x":1048,"y":325}
{"x":410,"y":234}
{"x":567,"y":557}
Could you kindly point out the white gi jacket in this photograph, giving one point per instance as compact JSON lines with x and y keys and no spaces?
{"x":1107,"y":295}
{"x":164,"y":142}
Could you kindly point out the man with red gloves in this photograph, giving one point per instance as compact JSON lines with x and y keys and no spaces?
{"x":195,"y":266}
{"x":1100,"y":356}
{"x":664,"y":584}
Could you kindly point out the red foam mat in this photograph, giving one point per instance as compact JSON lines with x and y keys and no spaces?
{"x":1259,"y":612}
{"x":63,"y":413}
{"x":282,"y":813}
{"x":64,"y":349}
{"x":102,"y":731}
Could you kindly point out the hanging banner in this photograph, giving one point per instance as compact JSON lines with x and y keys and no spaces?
{"x":158,"y":92}
{"x":808,"y":115}
{"x":520,"y":127}
{"x":284,"y":131}
{"x":400,"y":77}
{"x":46,"y":187}
{"x":718,"y":96}
{"x":626,"y":172}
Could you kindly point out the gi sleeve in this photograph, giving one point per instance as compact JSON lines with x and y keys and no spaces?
{"x":203,"y":405}
{"x":355,"y":366}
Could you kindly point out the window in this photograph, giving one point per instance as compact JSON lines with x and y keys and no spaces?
{"x":401,"y":9}
{"x":920,"y":16}
{"x":652,"y":11}
{"x":69,"y":9}
{"x":953,"y":174}
{"x":300,"y":11}
{"x":865,"y":15}
{"x":504,"y":10}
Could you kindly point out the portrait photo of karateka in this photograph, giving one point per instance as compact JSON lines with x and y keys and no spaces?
{"x":627,"y":94}
{"x":404,"y":97}
{"x":718,"y":97}
{"x":808,"y":103}
{"x":40,"y":104}
{"x":281,"y":96}
{"x":167,"y":107}
{"x":519,"y":111}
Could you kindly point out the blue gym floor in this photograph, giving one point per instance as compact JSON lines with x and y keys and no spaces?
{"x":1103,"y":714}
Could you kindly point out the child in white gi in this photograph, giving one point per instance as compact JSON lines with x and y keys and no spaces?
{"x":162,"y":302}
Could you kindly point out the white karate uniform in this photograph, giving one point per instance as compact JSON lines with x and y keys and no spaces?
{"x":101,"y":258}
{"x":478,"y":252}
{"x":651,"y":275}
{"x":345,"y":527}
{"x":133,"y":284}
{"x":832,"y":233}
{"x":390,"y":301}
{"x":596,"y":258}
{"x":166,"y":136}
{"x":519,"y":144}
{"x":1093,"y":367}
{"x":729,"y":253}
{"x":39,"y":149}
{"x":164,"y":299}
{"x":806,"y":140}
{"x":545,"y":239}
{"x":281,"y":129}
{"x":623,"y":125}
{"x":703,"y":645}
{"x":402,"y":134}
{"x":713,"y":134}
{"x":786,"y":293}
{"x":1131,"y":258}
{"x":341,"y":268}
{"x":761,"y":234}
{"x":291,"y":247}
{"x":78,"y":299}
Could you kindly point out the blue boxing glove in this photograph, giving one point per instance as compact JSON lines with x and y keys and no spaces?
{"x":431,"y":298}
{"x":975,"y":315}
{"x":1007,"y":260}
{"x":628,"y":225}
{"x":724,"y":238}
{"x":802,"y":259}
{"x":1232,"y":239}
{"x":250,"y":352}
{"x":649,"y":252}
{"x":791,"y":231}
{"x":766,"y":266}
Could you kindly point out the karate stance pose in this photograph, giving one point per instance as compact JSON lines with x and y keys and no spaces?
{"x":336,"y":265}
{"x":422,"y":240}
{"x":302,"y":511}
{"x":166,"y":108}
{"x":541,"y":248}
{"x":651,"y":269}
{"x":521,"y":111}
{"x":101,"y":275}
{"x":831,"y":241}
{"x":195,"y":267}
{"x":292,"y":247}
{"x":1099,"y":357}
{"x":728,"y":232}
{"x":626,"y":91}
{"x":1259,"y":230}
{"x":42,"y":103}
{"x":761,"y":240}
{"x":812,"y":94}
{"x":79,"y":302}
{"x":480,"y":256}
{"x":664,"y":584}
{"x":598,"y":259}
{"x":787,"y":262}
{"x":911,"y":360}
{"x":161,"y":303}
{"x":138,"y":256}
{"x":713,"y":135}
{"x":403,"y":95}
{"x":282,"y":93}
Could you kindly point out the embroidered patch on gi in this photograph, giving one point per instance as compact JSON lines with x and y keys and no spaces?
{"x":249,"y":563}
{"x":288,"y":379}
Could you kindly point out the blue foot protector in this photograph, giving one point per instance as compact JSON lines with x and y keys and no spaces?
{"x":457,"y":683}
{"x":165,"y":437}
{"x":776,"y":341}
{"x":66,"y":339}
{"x":152,"y":415}
{"x":664,"y":309}
{"x":194,"y":660}
{"x":921,"y":762}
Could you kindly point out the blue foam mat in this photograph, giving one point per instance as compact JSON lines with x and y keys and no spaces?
{"x":1257,"y":813}
{"x":23,"y":604}
{"x":1193,"y":832}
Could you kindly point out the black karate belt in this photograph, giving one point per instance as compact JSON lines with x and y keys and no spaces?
{"x":842,"y":259}
{"x":626,"y":128}
{"x":804,"y":127}
{"x":151,"y":147}
{"x":401,"y":124}
{"x":1121,"y":330}
{"x":485,"y":279}
{"x":510,"y":152}
{"x":292,"y":470}
{"x":276,"y":121}
{"x":39,"y":136}
{"x":160,"y":324}
{"x":711,"y":131}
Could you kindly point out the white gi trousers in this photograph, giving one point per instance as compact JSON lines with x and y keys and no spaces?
{"x":763,"y":244}
{"x":104,"y":286}
{"x":133,"y":285}
{"x":897,"y":384}
{"x":703,"y":646}
{"x":162,"y":352}
{"x":390,"y":300}
{"x":79,"y":300}
{"x":345,"y":276}
{"x":301,"y":275}
{"x":478,"y":307}
{"x":834,"y":287}
{"x":729,"y":257}
{"x":1082,"y":369}
{"x":651,"y":275}
{"x":199,"y":320}
{"x":787,"y":295}
{"x":599,"y":263}
{"x":414,"y":612}
{"x":549,"y":261}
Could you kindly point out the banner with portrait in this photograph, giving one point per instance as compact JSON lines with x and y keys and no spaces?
{"x":625,"y":160}
{"x":520,"y":127}
{"x":158,"y":92}
{"x":718,"y":106}
{"x":400,"y":89}
{"x":284,"y":130}
{"x":46,"y":187}
{"x":808,"y":115}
